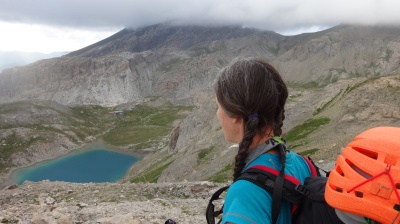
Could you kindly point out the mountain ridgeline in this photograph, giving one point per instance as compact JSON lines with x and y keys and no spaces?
{"x":9,"y":59}
{"x":342,"y":81}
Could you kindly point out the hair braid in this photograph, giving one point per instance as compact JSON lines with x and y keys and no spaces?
{"x":280,"y":107}
{"x":250,"y":132}
{"x":279,"y":124}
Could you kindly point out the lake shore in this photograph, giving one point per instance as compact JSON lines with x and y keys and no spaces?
{"x":6,"y":179}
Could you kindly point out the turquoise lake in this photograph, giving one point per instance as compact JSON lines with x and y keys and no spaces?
{"x":84,"y":167}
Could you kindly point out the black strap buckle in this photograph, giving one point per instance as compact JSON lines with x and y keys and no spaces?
{"x":302,"y":189}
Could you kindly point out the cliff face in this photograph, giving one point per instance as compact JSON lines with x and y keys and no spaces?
{"x":160,"y":60}
{"x":76,"y":80}
{"x":179,"y":61}
{"x":347,"y":74}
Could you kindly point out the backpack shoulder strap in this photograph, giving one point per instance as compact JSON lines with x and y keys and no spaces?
{"x":313,"y":167}
{"x":293,"y":190}
{"x":265,"y":177}
{"x":210,"y":213}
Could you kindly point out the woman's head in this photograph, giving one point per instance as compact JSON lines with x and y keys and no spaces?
{"x":252,"y":91}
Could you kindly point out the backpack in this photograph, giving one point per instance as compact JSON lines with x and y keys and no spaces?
{"x":308,"y":201}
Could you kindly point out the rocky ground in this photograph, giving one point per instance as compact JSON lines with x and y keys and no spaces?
{"x":48,"y":202}
{"x":59,"y":202}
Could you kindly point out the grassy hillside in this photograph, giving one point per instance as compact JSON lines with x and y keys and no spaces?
{"x":26,"y":125}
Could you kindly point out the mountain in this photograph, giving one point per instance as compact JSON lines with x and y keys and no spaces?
{"x":178,"y":61}
{"x":9,"y":59}
{"x":159,"y":60}
{"x":342,"y":81}
{"x":341,"y":52}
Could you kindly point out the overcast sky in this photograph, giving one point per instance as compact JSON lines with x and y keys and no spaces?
{"x":66,"y":25}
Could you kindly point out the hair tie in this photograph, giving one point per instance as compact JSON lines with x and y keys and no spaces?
{"x":253,"y":115}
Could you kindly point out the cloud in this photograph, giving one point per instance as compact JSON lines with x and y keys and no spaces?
{"x":47,"y":39}
{"x":272,"y":15}
{"x":75,"y":23}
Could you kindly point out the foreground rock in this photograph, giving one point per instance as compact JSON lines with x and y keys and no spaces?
{"x":60,"y":202}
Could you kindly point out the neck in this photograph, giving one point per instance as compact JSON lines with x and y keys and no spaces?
{"x":258,"y":140}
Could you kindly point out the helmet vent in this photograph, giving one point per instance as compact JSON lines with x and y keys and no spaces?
{"x":397,"y":186}
{"x":339,"y":170}
{"x":358,"y":170}
{"x":370,"y":154}
{"x":359,"y":194}
{"x":338,"y":189}
{"x":396,"y":207}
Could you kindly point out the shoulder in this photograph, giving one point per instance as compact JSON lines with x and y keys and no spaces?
{"x":245,"y":189}
{"x":293,"y":158}
{"x":245,"y":202}
{"x":246,"y":192}
{"x":297,"y":166}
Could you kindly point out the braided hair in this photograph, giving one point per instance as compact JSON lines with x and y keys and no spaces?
{"x":248,"y":87}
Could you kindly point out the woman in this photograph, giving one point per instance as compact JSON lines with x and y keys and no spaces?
{"x":251,"y":98}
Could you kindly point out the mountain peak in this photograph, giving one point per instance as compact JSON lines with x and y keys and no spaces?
{"x":164,"y":35}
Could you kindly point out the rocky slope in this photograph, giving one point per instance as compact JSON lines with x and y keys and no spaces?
{"x":340,"y":53}
{"x":64,"y":203}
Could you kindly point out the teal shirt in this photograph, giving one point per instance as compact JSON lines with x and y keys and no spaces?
{"x":246,"y":202}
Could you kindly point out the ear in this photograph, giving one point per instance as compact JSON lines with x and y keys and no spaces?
{"x":237,"y":120}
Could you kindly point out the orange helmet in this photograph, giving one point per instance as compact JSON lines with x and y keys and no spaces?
{"x":366,"y":177}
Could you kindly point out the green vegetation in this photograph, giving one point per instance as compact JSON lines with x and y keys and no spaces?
{"x":86,"y":112}
{"x":145,"y":115}
{"x":223,"y":175}
{"x":15,"y":143}
{"x":11,"y":107}
{"x":144,"y":126}
{"x":309,"y":152}
{"x":143,"y":136}
{"x":152,"y":174}
{"x":299,"y":144}
{"x":323,"y":107}
{"x":302,"y":131}
{"x":307,"y":85}
{"x":388,"y":55}
{"x":351,"y":88}
{"x":355,"y":74}
{"x":204,"y":153}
